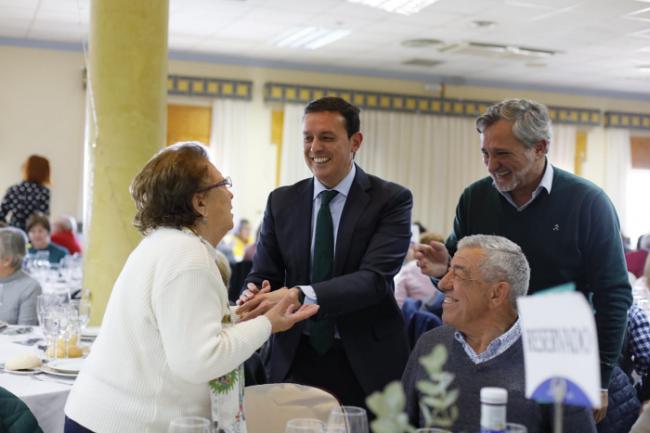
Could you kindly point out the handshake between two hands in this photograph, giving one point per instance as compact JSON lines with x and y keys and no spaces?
{"x":282,"y":306}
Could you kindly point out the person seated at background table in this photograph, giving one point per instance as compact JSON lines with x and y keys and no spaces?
{"x":38,"y":229}
{"x":63,"y":234}
{"x":163,"y":337}
{"x":410,"y":282}
{"x":241,"y":239}
{"x":18,"y":291}
{"x":482,"y":335}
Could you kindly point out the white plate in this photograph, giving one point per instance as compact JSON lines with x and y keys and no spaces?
{"x":70,"y":366}
{"x":47,"y":370}
{"x":27,"y":371}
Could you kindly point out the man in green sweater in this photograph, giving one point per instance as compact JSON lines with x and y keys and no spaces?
{"x":566,"y":226}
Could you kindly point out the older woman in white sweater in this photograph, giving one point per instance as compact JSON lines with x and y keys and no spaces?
{"x":162,"y":338}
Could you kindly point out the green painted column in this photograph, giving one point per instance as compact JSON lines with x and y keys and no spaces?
{"x":126,"y":125}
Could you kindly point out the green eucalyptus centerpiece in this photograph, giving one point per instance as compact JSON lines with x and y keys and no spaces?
{"x":437,"y":405}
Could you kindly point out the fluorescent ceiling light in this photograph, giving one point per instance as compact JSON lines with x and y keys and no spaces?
{"x":404,"y":7}
{"x":310,"y":38}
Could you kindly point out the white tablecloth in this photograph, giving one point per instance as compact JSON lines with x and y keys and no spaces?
{"x":45,"y":397}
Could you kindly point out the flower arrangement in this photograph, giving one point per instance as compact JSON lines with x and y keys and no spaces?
{"x":437,"y":404}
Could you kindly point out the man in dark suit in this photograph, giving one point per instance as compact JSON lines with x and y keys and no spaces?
{"x":338,"y":238}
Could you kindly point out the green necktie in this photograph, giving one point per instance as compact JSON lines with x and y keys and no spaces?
{"x":321,"y":331}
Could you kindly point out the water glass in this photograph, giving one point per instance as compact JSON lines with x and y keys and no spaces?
{"x":82,"y":306}
{"x":347,"y":419}
{"x":512,"y":427}
{"x":305,"y":425}
{"x":51,"y":329}
{"x":190,"y":424}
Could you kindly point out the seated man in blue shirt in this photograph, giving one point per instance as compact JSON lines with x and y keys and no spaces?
{"x":483,"y":338}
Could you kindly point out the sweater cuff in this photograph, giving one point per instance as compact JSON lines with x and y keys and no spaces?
{"x":605,"y":375}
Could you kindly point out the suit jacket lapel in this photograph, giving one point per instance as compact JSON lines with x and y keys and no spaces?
{"x":355,"y":204}
{"x":302,"y":226}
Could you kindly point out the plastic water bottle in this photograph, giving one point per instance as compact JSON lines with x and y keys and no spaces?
{"x":493,"y":410}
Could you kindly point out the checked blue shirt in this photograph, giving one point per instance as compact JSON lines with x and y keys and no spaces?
{"x":639,"y":339}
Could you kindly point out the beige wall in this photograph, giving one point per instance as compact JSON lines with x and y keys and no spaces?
{"x":42,"y":105}
{"x":43,"y":108}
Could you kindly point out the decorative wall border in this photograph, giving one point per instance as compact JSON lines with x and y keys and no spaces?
{"x":618,"y":119}
{"x":209,"y":87}
{"x":280,"y":92}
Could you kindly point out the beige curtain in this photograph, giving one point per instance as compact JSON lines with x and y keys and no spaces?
{"x":436,"y":157}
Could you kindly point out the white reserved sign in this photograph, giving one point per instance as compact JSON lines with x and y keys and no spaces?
{"x":560,"y":348}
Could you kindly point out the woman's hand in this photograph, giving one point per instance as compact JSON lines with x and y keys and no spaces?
{"x":252,"y":290}
{"x":285,"y":313}
{"x":262,"y":302}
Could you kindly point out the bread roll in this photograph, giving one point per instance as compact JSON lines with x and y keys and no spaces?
{"x":25,"y":361}
{"x":73,"y":352}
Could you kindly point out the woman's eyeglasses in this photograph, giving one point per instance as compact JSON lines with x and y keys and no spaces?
{"x":225,"y":182}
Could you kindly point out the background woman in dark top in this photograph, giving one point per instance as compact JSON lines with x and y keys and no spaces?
{"x":30,"y":195}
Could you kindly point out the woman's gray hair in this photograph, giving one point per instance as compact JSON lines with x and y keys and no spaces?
{"x":504,"y":261}
{"x":13,"y":244}
{"x":530,"y":120}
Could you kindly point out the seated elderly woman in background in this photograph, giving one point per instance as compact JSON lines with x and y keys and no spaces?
{"x":410,"y":282}
{"x":38,"y":229}
{"x":163,"y":336}
{"x":18,"y":291}
{"x":63,"y":234}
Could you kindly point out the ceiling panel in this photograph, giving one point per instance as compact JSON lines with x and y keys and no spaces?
{"x":600,"y":43}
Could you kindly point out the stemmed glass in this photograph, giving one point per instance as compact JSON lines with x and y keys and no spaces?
{"x":51,"y":329}
{"x":347,"y":419}
{"x":305,"y":425}
{"x":190,"y":424}
{"x":82,"y":306}
{"x":44,"y":303}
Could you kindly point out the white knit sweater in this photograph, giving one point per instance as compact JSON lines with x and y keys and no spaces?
{"x":161,"y":340}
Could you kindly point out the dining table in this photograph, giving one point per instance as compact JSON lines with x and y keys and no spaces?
{"x":45,"y":394}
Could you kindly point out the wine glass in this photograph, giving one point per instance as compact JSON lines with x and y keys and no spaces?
{"x":51,"y":329}
{"x":44,"y":303}
{"x":189,"y":424}
{"x":347,"y":419}
{"x":305,"y":425}
{"x":82,"y":306}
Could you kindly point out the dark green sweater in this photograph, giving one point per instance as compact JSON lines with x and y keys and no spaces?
{"x":569,"y":235}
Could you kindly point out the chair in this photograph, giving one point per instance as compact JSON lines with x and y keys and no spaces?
{"x":269,"y":407}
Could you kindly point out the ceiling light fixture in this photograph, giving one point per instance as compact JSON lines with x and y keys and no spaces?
{"x":403,"y":7}
{"x":310,"y":38}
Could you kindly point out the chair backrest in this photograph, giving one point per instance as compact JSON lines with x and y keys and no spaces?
{"x":269,"y":407}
